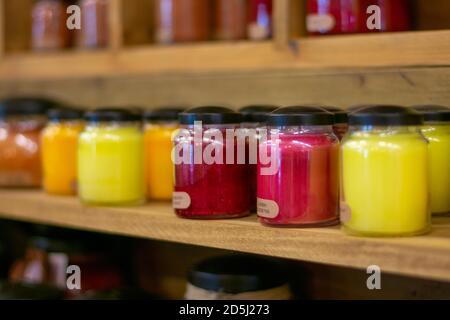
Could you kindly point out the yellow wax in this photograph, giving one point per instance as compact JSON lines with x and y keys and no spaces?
{"x":438,"y":136}
{"x":59,"y":157}
{"x":385,"y":183}
{"x":111,"y":165}
{"x":158,"y":162}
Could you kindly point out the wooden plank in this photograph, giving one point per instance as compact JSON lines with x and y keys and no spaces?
{"x":2,"y":28}
{"x":297,"y":19}
{"x":138,"y":22}
{"x":281,"y":23}
{"x":17,"y":25}
{"x":422,"y":257}
{"x":115,"y":24}
{"x":338,"y":87}
{"x":430,"y":48}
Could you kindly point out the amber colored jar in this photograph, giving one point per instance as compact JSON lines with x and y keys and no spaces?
{"x":260,"y":20}
{"x":231,"y":19}
{"x":21,"y":122}
{"x":182,"y":20}
{"x":94,"y":31}
{"x":49,"y":31}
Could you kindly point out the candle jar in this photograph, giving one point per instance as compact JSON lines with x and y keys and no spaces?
{"x":299,"y":186}
{"x":49,"y":31}
{"x":437,"y":131}
{"x":340,"y":126}
{"x":260,"y":20}
{"x":238,"y":277}
{"x":182,"y":20}
{"x":94,"y":31}
{"x":334,"y":16}
{"x":231,"y":19}
{"x":208,"y":183}
{"x":111,"y":158}
{"x":21,"y":123}
{"x":59,"y":151}
{"x":160,"y":125}
{"x":385,"y":173}
{"x":395,"y":15}
{"x":254,"y":119}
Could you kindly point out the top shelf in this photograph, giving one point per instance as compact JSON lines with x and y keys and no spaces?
{"x":406,"y":49}
{"x":424,"y":257}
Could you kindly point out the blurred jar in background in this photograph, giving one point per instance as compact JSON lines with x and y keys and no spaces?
{"x":260,"y":20}
{"x":395,"y":15}
{"x":182,"y":20}
{"x":333,"y":16}
{"x":21,"y":122}
{"x":94,"y":31}
{"x":49,"y":31}
{"x":231,"y":19}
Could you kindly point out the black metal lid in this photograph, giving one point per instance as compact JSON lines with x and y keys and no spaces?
{"x":340,"y":116}
{"x":113,"y":115}
{"x":256,"y":113}
{"x":300,"y":116}
{"x":65,"y":113}
{"x":20,"y":291}
{"x":163,"y":114}
{"x":26,"y":106}
{"x":385,"y":115}
{"x":210,"y":115}
{"x":237,"y":274}
{"x":434,"y":113}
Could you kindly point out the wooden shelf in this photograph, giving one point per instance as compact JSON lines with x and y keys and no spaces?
{"x":422,"y":257}
{"x":408,"y":49}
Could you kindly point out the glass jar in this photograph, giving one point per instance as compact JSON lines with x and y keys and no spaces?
{"x":340,"y":126}
{"x":59,"y":151}
{"x":49,"y":31}
{"x":299,"y":186}
{"x":231,"y":19}
{"x":254,"y":118}
{"x":260,"y":20}
{"x":21,"y":123}
{"x":395,"y":15}
{"x":182,"y":20}
{"x":160,"y":125}
{"x":334,"y":16}
{"x":111,"y":158}
{"x":94,"y":31}
{"x":208,"y":185}
{"x":238,"y":277}
{"x":437,"y":131}
{"x":385,"y":173}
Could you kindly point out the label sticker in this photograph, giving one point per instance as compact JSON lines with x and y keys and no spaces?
{"x":181,"y":200}
{"x":320,"y":22}
{"x":346,"y":212}
{"x":267,"y":208}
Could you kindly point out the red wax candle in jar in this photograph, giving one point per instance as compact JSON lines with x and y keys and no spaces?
{"x":208,"y":188}
{"x":94,"y":31}
{"x":254,"y":118}
{"x":303,"y":190}
{"x":333,"y":16}
{"x":260,"y":20}
{"x":394,"y":14}
{"x":231,"y":19}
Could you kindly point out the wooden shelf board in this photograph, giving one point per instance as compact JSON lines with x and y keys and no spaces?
{"x":424,"y":48}
{"x":422,"y":257}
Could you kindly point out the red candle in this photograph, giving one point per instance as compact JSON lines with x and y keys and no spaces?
{"x":304,"y":191}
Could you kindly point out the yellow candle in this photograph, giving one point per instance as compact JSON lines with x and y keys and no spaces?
{"x":59,"y":157}
{"x":438,"y":136}
{"x":111,"y":164}
{"x":158,"y":162}
{"x":385,"y":183}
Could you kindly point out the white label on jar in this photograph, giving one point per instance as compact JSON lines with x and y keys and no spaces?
{"x":267,"y":208}
{"x":181,"y":200}
{"x":320,"y":22}
{"x":346,"y":212}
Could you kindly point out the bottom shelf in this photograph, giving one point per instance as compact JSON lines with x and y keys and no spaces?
{"x":423,"y":257}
